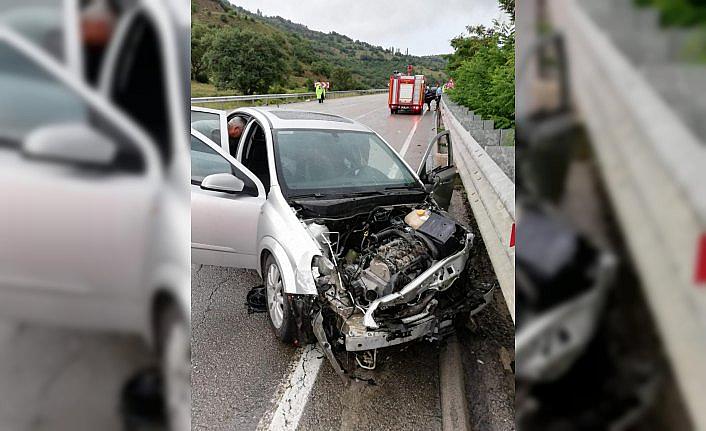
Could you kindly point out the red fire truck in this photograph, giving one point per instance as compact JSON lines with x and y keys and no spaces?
{"x":406,"y":92}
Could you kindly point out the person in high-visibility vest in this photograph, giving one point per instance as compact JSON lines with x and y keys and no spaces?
{"x":320,"y":92}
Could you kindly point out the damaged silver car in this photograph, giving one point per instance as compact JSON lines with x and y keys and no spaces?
{"x":355,"y":248}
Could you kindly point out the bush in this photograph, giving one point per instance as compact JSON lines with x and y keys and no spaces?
{"x":483,"y":68}
{"x":246,"y":61}
{"x":342,"y":79}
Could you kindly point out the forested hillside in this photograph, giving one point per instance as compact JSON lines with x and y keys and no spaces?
{"x":231,"y":45}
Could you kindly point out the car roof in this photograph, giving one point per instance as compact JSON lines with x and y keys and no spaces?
{"x":281,"y":118}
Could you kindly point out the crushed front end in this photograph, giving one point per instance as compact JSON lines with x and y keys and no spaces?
{"x":396,"y":275}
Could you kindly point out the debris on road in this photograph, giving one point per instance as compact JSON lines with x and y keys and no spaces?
{"x":256,"y":300}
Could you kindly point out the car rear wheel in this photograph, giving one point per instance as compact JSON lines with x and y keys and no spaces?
{"x":278,"y":304}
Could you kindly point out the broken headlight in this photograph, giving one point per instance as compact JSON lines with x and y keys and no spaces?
{"x":324,"y":273}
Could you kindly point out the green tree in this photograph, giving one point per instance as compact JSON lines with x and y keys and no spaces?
{"x":246,"y":61}
{"x":201,"y":37}
{"x":321,"y":68}
{"x":342,"y":79}
{"x":483,"y":67}
{"x":509,"y":7}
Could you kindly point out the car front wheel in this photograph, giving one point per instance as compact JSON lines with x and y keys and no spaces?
{"x":278,"y":303}
{"x":176,"y":369}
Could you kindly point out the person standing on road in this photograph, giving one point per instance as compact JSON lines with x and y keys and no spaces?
{"x":235,"y":129}
{"x":320,"y":92}
{"x":439,"y":90}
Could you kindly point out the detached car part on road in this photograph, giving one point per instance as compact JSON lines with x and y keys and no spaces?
{"x":354,"y":247}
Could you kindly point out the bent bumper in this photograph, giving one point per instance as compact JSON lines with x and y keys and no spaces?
{"x":359,"y":338}
{"x":439,"y":277}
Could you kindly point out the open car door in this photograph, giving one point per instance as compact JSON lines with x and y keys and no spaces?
{"x":440,"y":179}
{"x":226,"y":201}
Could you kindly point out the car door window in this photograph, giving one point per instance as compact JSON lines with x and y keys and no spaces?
{"x":138,"y":85}
{"x":41,"y":21}
{"x":207,"y":124}
{"x":255,"y":154}
{"x":206,"y":161}
{"x":197,"y":116}
{"x":32,"y":99}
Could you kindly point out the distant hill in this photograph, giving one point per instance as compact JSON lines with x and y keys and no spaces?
{"x":313,"y":54}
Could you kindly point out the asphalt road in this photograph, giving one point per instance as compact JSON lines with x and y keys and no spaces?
{"x":243,"y":378}
{"x":64,"y":379}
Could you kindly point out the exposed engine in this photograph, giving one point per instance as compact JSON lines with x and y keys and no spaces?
{"x":385,"y":277}
{"x":394,"y":259}
{"x":381,"y":254}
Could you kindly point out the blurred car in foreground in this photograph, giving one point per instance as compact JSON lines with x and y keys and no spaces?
{"x":95,"y":207}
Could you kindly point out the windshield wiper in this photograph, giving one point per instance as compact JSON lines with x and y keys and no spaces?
{"x":307,"y":195}
{"x":405,"y":187}
{"x":366,"y":193}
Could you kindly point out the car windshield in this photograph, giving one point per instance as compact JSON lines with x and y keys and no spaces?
{"x":335,"y":161}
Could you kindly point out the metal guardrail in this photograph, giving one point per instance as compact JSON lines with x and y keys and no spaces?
{"x":491,"y":194}
{"x":268,"y":97}
{"x":653,"y":168}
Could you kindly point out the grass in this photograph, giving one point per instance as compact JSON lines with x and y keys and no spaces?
{"x":199,"y":89}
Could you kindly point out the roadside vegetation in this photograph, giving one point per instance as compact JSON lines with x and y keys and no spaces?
{"x":296,"y":56}
{"x":679,"y":12}
{"x":689,"y":14}
{"x":483,"y":69}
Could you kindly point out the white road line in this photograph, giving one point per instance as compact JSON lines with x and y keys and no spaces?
{"x":407,"y":141}
{"x":290,"y":406}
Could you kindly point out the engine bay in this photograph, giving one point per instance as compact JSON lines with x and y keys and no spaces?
{"x":395,"y":274}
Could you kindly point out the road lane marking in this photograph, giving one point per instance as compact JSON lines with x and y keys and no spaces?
{"x":407,"y":141}
{"x":291,"y":404}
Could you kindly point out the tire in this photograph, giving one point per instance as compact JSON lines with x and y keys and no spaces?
{"x":175,"y":365}
{"x":279,"y":307}
{"x":392,"y":111}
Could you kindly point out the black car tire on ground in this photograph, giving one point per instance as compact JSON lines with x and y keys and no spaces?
{"x":287,"y":331}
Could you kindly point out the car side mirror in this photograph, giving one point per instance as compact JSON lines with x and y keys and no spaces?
{"x":226,"y":183}
{"x":75,"y":143}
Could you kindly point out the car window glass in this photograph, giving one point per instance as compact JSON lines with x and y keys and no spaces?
{"x":255,"y":154}
{"x":206,"y":161}
{"x":40,"y":21}
{"x":199,"y":115}
{"x":139,"y":84}
{"x":210,"y":128}
{"x":32,"y":99}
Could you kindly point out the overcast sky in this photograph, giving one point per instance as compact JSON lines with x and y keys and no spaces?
{"x":412,"y":24}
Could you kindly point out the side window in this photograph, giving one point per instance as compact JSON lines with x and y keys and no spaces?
{"x":41,"y":21}
{"x":33,"y":99}
{"x":255,"y":154}
{"x":207,"y":123}
{"x":139,"y":85}
{"x":206,"y":161}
